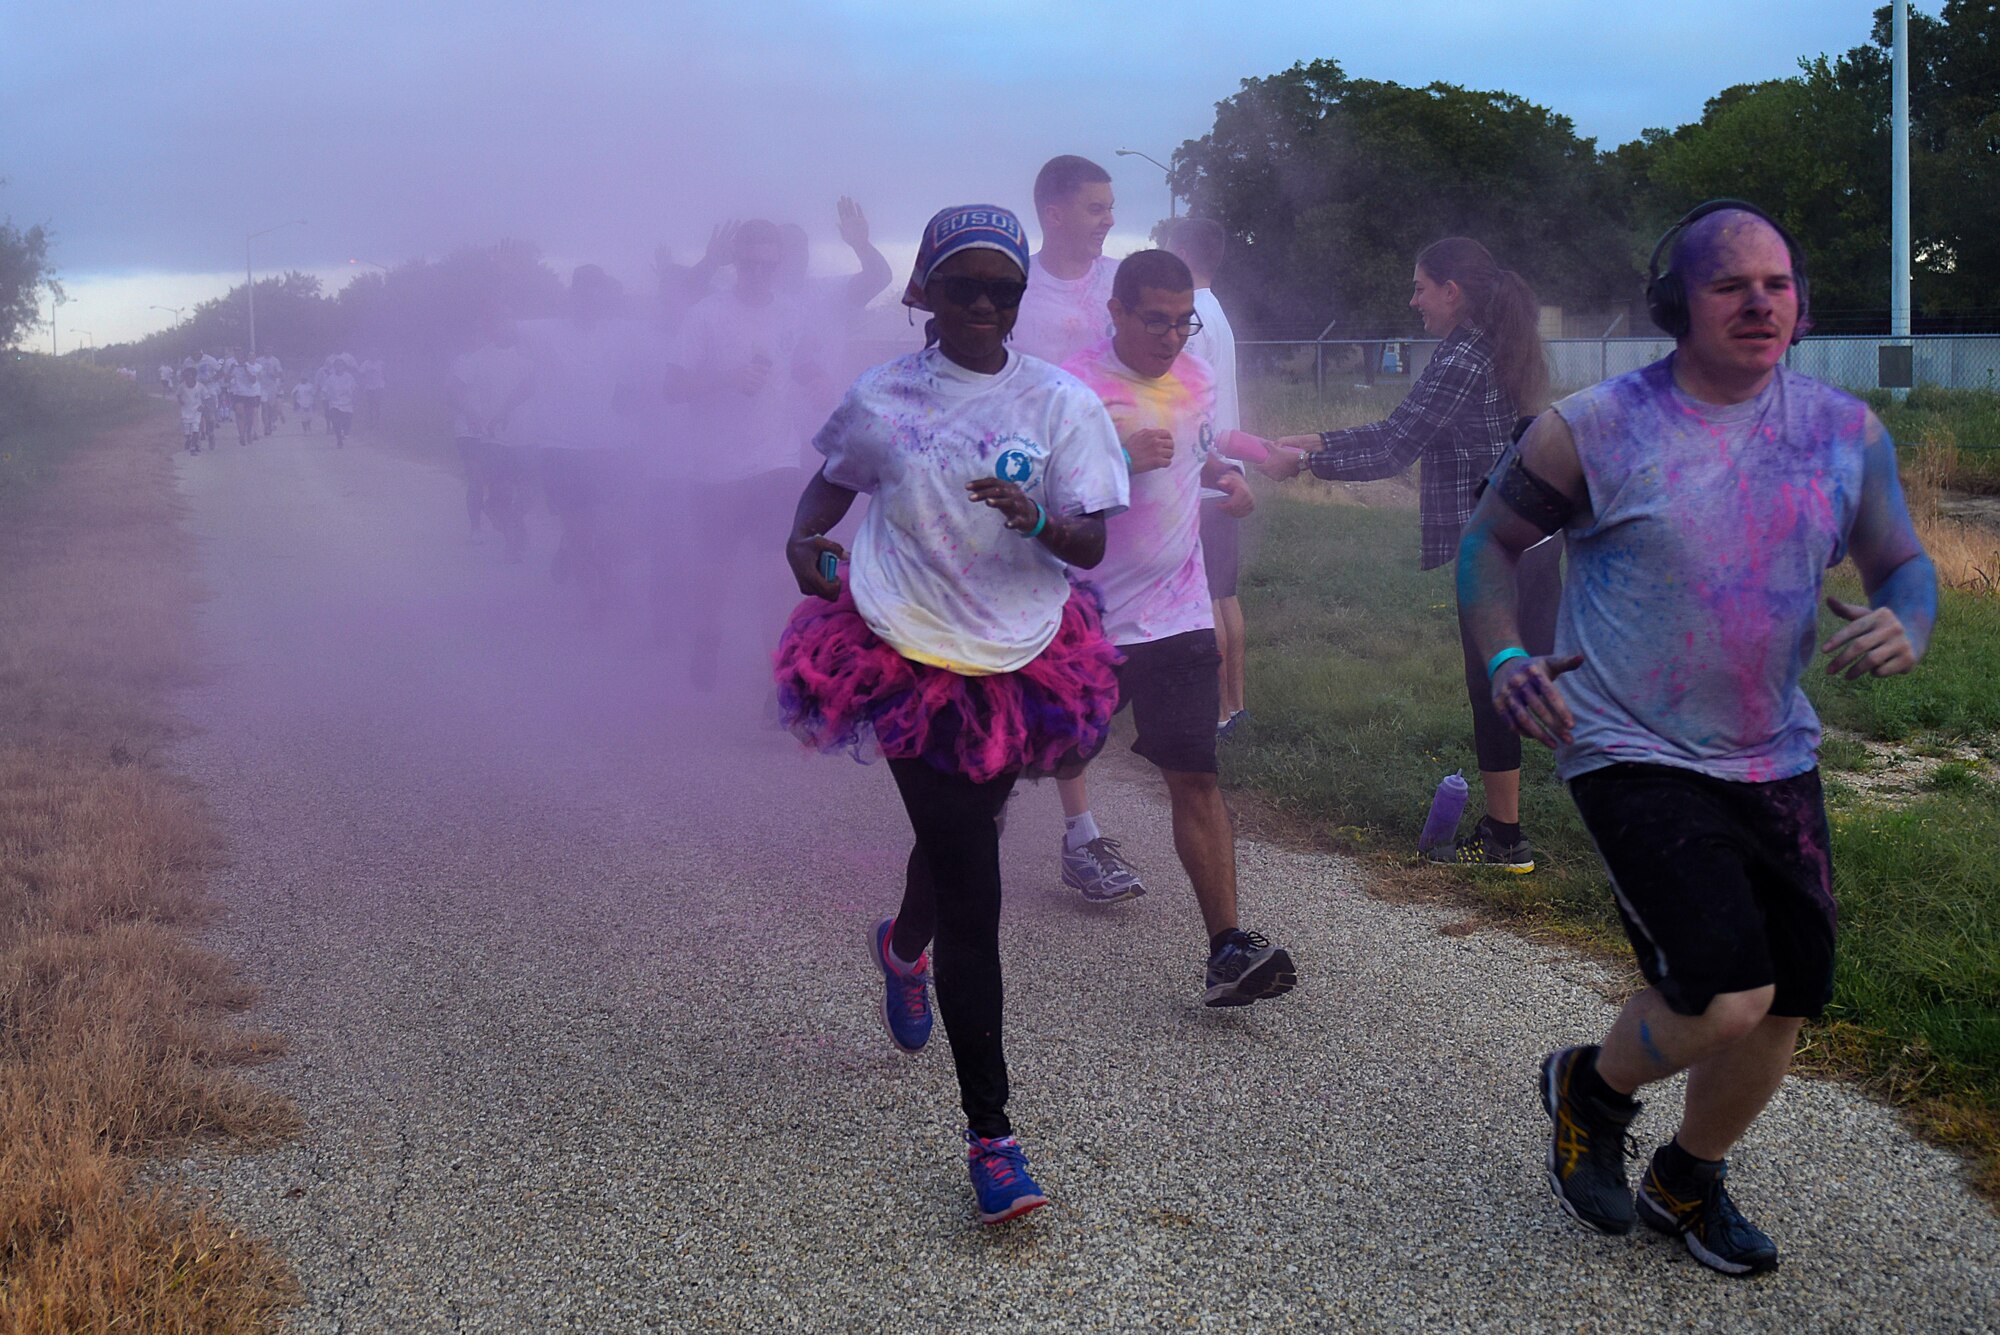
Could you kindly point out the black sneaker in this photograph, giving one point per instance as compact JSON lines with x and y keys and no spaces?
{"x":1588,"y":1149}
{"x":1481,"y":849}
{"x":1715,"y":1231}
{"x":1247,"y":968}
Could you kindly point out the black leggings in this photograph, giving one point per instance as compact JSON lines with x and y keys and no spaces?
{"x":952,"y":895}
{"x":1538,"y":592}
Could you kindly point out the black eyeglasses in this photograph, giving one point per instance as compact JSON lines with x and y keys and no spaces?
{"x":1005,"y":293}
{"x":1186,"y":327}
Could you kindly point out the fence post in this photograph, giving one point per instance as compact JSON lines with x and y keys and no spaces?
{"x":1319,"y":371}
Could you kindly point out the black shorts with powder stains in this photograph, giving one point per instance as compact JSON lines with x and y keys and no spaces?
{"x":1723,"y":887}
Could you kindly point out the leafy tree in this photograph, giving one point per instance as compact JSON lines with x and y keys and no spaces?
{"x":24,"y":273}
{"x":1331,"y":185}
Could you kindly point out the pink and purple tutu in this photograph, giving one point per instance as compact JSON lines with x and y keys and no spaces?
{"x":841,"y":687}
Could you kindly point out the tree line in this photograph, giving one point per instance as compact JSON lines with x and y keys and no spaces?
{"x":1330,"y":185}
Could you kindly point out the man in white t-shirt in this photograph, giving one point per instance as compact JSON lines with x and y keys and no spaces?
{"x":338,"y":391}
{"x":269,"y":369}
{"x":486,"y":386}
{"x":739,"y":362}
{"x":245,"y":399}
{"x":1070,"y":281}
{"x":1200,"y":243}
{"x":1155,"y":588}
{"x":591,"y":390}
{"x":1065,"y":311}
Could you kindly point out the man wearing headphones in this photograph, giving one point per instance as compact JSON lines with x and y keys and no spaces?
{"x":1702,"y":499}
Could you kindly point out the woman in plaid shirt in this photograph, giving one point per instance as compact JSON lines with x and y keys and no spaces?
{"x":1459,"y":419}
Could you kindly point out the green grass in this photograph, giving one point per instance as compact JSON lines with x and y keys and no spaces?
{"x":1965,"y":422}
{"x":1358,"y":709}
{"x":49,"y":405}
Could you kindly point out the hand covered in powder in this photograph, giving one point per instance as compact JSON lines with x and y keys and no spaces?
{"x":1525,"y":694}
{"x":1238,"y":501}
{"x":1150,"y":448}
{"x":1018,"y":508}
{"x":1872,"y":643}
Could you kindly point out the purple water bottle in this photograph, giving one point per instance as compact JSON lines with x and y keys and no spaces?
{"x":1441,"y":826}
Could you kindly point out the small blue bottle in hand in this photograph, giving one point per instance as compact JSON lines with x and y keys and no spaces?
{"x":1441,"y":826}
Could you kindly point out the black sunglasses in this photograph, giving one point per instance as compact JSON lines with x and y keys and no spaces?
{"x":1004,"y":293}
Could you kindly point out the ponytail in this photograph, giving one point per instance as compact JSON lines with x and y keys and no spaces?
{"x":1502,"y":304}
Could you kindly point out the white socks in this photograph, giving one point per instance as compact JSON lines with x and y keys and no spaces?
{"x":1079,"y":830}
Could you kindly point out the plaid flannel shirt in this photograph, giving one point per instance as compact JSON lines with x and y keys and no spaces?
{"x":1456,"y":418}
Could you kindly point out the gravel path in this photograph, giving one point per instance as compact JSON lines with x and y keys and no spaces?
{"x":581,"y":1018}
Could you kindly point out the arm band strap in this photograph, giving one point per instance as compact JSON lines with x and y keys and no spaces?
{"x":1533,"y":499}
{"x":1041,"y":522}
{"x":1504,"y":656}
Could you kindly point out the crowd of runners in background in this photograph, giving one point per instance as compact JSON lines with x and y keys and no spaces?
{"x":251,"y":393}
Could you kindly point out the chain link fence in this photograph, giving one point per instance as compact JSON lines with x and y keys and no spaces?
{"x":1855,"y":363}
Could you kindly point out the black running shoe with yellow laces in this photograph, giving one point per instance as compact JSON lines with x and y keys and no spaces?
{"x":1588,"y":1147}
{"x":1703,"y":1217}
{"x":1482,"y":849}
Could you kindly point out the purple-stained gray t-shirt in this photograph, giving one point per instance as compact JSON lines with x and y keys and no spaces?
{"x":1694,"y":585}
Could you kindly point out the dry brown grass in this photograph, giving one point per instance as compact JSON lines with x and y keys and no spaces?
{"x":115,"y":1031}
{"x":1966,"y":551}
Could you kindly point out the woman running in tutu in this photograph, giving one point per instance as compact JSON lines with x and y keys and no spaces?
{"x":957,"y":645}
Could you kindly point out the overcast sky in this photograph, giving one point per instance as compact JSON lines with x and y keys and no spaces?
{"x":152,"y":138}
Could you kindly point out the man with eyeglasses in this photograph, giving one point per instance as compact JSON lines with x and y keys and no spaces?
{"x":1155,"y":588}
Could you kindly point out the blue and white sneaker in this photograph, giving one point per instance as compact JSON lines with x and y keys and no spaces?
{"x":999,"y":1169}
{"x":906,"y":1002}
{"x":1101,"y":872}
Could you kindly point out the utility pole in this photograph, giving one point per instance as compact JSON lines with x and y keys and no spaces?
{"x":1899,"y":215}
{"x":250,"y":276}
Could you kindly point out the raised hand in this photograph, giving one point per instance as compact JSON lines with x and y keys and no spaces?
{"x":853,"y":223}
{"x":1872,"y":643}
{"x":1525,"y":694}
{"x":720,"y":239}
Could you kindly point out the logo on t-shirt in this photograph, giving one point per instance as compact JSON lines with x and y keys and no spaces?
{"x":1014,"y":466}
{"x":1205,"y":443}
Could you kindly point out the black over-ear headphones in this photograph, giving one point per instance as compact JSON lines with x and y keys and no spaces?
{"x":1666,"y":294}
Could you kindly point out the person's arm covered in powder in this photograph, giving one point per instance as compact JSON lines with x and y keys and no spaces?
{"x":1537,"y":494}
{"x":874,"y":275}
{"x":1889,"y":635}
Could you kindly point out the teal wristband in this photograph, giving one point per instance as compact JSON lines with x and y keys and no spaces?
{"x":1505,"y":655}
{"x":1128,"y":457}
{"x":1041,"y":522}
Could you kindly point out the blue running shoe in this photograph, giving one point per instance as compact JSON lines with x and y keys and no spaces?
{"x":906,"y":1001}
{"x":999,"y":1169}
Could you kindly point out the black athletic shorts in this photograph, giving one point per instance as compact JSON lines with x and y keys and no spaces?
{"x":1175,"y":695}
{"x":1221,"y":548}
{"x":1723,"y":887}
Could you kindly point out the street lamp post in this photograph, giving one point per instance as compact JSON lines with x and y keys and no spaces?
{"x":370,"y":263}
{"x":1164,"y":169}
{"x":250,"y":277}
{"x":93,"y":344}
{"x":56,"y":302}
{"x":175,"y":311}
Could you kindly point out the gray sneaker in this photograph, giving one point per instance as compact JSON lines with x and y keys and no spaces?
{"x":1099,"y":871}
